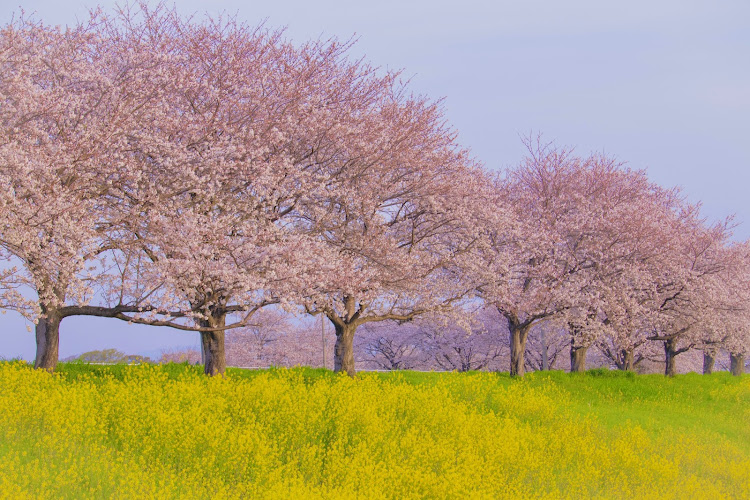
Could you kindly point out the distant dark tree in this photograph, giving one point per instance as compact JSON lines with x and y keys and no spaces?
{"x":546,"y":347}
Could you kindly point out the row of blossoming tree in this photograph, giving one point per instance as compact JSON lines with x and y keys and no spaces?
{"x":276,"y":338}
{"x":173,"y":172}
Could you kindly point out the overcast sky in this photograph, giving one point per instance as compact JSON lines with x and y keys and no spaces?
{"x":663,"y":86}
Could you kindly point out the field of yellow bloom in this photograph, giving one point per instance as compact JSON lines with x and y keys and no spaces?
{"x":169,"y":432}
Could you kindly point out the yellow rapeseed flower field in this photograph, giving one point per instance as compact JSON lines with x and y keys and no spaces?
{"x":151,"y":432}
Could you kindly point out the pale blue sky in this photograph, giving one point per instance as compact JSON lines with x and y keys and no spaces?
{"x":663,"y":85}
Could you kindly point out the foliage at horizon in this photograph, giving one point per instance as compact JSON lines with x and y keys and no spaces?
{"x":108,"y":356}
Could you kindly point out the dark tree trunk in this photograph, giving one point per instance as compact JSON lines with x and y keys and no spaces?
{"x":627,"y":360}
{"x":736,"y":364}
{"x":577,"y":358}
{"x":545,"y":351}
{"x":709,"y":359}
{"x":212,"y":344}
{"x":670,"y":353}
{"x":343,"y":353}
{"x":48,"y":341}
{"x":203,"y":352}
{"x":519,"y":333}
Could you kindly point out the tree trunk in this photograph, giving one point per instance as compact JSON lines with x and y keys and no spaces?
{"x":577,"y":358}
{"x":545,"y":351}
{"x":203,"y":349}
{"x":212,"y":344}
{"x":519,"y":332}
{"x":709,"y":358}
{"x":670,"y":353}
{"x":343,"y":353}
{"x":737,"y":364}
{"x":323,"y":337}
{"x":48,"y":341}
{"x":627,"y":360}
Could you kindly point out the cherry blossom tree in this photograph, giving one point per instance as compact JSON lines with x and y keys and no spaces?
{"x":293,"y":342}
{"x":615,"y":232}
{"x":537,"y":272}
{"x":389,"y":346}
{"x":643,"y":243}
{"x":689,"y":288}
{"x":216,"y":169}
{"x":545,"y":346}
{"x":628,"y":356}
{"x":398,"y":211}
{"x":728,"y":326}
{"x":163,"y":150}
{"x":478,"y":343}
{"x":61,"y":116}
{"x":598,"y":248}
{"x":737,"y":311}
{"x":254,"y":344}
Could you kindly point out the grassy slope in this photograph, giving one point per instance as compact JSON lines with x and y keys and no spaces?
{"x":600,"y":434}
{"x":709,"y":406}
